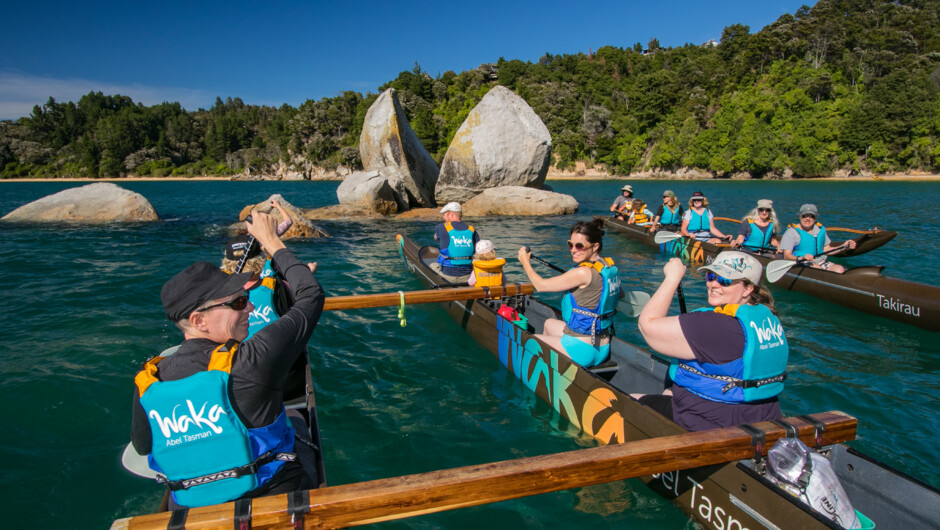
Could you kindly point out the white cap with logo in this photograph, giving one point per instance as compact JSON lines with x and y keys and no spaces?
{"x":736,"y":265}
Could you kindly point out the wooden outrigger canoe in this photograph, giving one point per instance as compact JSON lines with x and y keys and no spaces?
{"x":735,"y":495}
{"x":861,"y":288}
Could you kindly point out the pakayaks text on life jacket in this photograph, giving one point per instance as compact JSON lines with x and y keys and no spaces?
{"x":595,"y":321}
{"x":202,"y":450}
{"x":757,"y":375}
{"x":459,"y":247}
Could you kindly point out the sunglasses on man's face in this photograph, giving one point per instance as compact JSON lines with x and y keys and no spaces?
{"x":577,"y":246}
{"x":712,"y":277}
{"x":236,"y":305}
{"x":805,"y":215}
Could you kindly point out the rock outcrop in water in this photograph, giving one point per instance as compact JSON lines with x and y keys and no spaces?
{"x":390,"y":147}
{"x":519,"y":200}
{"x":100,"y":202}
{"x":374,"y":192}
{"x":301,"y":226}
{"x":501,"y":143}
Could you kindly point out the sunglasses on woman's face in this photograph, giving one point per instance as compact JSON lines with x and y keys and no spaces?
{"x":236,"y":305}
{"x":712,"y":277}
{"x":763,"y":209}
{"x":577,"y":246}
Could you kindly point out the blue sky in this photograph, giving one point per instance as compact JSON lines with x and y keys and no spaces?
{"x":273,"y":52}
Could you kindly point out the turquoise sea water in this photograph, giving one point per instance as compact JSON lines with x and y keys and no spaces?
{"x":82,"y":310}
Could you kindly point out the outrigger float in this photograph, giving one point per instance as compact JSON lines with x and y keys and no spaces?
{"x":861,"y":288}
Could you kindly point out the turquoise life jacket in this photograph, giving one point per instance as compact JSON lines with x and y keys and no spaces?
{"x":757,"y":375}
{"x":758,"y":239}
{"x":595,"y":321}
{"x":810,"y":244}
{"x":201,"y":449}
{"x":670,"y":217}
{"x":262,"y":297}
{"x":699,"y":223}
{"x":459,"y":249}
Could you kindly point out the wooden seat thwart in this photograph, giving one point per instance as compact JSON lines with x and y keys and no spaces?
{"x":400,"y":497}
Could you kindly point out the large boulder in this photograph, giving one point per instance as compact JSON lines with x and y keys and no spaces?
{"x":301,"y":226}
{"x":519,"y":200}
{"x":341,"y":211}
{"x":389,"y":145}
{"x":100,"y":202}
{"x":501,"y":143}
{"x":373,"y":191}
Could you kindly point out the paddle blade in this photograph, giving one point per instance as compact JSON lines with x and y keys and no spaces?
{"x":776,"y":269}
{"x":665,"y":237}
{"x":632,"y":303}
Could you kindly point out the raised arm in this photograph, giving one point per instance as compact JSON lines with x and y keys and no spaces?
{"x":663,"y":333}
{"x":571,"y":279}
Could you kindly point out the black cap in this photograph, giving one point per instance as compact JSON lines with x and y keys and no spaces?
{"x":197,"y":284}
{"x":236,"y":246}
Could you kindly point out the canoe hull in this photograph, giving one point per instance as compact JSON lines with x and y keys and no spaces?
{"x":861,"y":288}
{"x":721,"y":496}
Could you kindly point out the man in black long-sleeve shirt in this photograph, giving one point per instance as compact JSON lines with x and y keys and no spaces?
{"x":211,"y":308}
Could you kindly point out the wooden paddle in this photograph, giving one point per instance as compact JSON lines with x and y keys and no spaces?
{"x":728,"y":219}
{"x":631,"y":302}
{"x":400,"y":497}
{"x":339,"y":303}
{"x":778,"y":268}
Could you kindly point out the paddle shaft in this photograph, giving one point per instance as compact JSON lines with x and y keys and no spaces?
{"x":681,"y":297}
{"x":399,"y":497}
{"x":339,"y":303}
{"x":543,"y":262}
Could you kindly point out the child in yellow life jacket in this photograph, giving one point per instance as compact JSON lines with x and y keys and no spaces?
{"x":640,"y":215}
{"x":487,"y":269}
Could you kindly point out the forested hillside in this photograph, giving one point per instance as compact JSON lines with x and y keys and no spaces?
{"x":847,"y":84}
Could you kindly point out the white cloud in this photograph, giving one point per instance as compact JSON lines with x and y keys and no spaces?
{"x":20,"y":92}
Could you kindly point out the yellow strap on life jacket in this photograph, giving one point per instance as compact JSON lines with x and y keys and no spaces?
{"x":148,"y":375}
{"x":599,"y":264}
{"x":222,"y":357}
{"x":268,"y":282}
{"x":797,"y":226}
{"x":728,"y":309}
{"x":221,"y":360}
{"x":449,"y":227}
